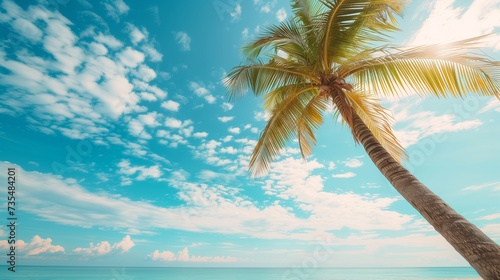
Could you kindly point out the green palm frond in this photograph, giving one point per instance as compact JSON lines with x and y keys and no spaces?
{"x":286,"y":35}
{"x":276,"y":96}
{"x":329,"y":46}
{"x":261,"y":78}
{"x":307,"y":10}
{"x":441,"y":70}
{"x":308,"y":122}
{"x":279,"y":129}
{"x":345,"y":19}
{"x":378,"y":120}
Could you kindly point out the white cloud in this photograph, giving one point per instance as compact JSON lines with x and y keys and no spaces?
{"x":200,"y":134}
{"x":210,"y":99}
{"x":262,"y":116}
{"x":136,"y":35}
{"x":229,"y":150}
{"x":227,"y":138}
{"x":281,"y":14}
{"x":491,"y":185}
{"x":183,"y":256}
{"x":98,"y":49}
{"x":245,"y":33}
{"x":173,"y":123}
{"x":419,"y":124}
{"x":198,"y":89}
{"x":211,"y":208}
{"x":236,"y":13}
{"x":145,"y":73}
{"x":141,"y":85}
{"x":86,"y":78}
{"x":448,"y":21}
{"x":331,"y":165}
{"x":267,"y":7}
{"x":344,"y":175}
{"x":170,"y":105}
{"x":150,"y":119}
{"x":493,"y":104}
{"x":104,"y":248}
{"x":490,"y":217}
{"x":225,"y":119}
{"x":183,"y":40}
{"x":292,"y":179}
{"x":109,"y":41}
{"x":143,"y":172}
{"x":152,"y":53}
{"x":353,"y":163}
{"x":27,"y":29}
{"x":427,"y":124}
{"x":130,"y":57}
{"x":234,"y":130}
{"x":116,"y":8}
{"x":36,"y":246}
{"x":227,"y":106}
{"x":202,"y":91}
{"x":493,"y":231}
{"x":136,"y":128}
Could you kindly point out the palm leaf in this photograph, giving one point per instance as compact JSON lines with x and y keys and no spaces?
{"x":279,"y":129}
{"x":276,"y":96}
{"x":351,"y":15}
{"x":442,"y":70}
{"x":285,"y":35}
{"x":261,"y":78}
{"x":378,"y":120}
{"x":309,"y":121}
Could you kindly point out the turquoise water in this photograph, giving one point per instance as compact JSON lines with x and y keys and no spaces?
{"x":136,"y":273}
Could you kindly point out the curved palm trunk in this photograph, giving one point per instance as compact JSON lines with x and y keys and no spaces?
{"x":479,"y":250}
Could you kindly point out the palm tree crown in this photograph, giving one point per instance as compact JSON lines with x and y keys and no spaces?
{"x":336,"y":50}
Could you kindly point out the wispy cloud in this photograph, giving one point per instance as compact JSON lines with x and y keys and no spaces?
{"x":171,"y":105}
{"x":202,"y":91}
{"x":183,"y":256}
{"x":143,"y":172}
{"x":265,"y":6}
{"x":490,"y":185}
{"x":183,"y":40}
{"x":448,"y":21}
{"x":227,"y":106}
{"x":419,"y":124}
{"x":344,"y":175}
{"x":225,"y":119}
{"x":281,"y":14}
{"x":353,"y":163}
{"x":236,"y":13}
{"x":116,"y":8}
{"x":136,"y":35}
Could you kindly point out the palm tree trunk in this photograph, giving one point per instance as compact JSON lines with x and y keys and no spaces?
{"x":479,"y":250}
{"x":482,"y":253}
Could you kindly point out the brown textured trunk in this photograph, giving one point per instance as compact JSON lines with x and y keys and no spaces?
{"x":482,"y":253}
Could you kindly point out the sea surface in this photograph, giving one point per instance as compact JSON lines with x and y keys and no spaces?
{"x":137,"y":273}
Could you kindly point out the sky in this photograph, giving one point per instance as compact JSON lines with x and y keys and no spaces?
{"x":128,"y":151}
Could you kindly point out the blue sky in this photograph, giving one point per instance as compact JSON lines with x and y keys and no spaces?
{"x":128,"y":151}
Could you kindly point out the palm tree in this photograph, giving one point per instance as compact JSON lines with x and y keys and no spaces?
{"x":334,"y":53}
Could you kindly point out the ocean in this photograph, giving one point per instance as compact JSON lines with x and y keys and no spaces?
{"x":152,"y":273}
